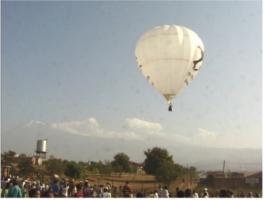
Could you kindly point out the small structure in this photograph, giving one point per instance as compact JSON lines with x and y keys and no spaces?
{"x":5,"y":171}
{"x":138,"y":166}
{"x":36,"y":160}
{"x":216,"y":174}
{"x":236,"y":174}
{"x":232,"y":180}
{"x":254,"y":179}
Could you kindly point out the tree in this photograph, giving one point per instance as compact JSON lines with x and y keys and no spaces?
{"x":193,"y":172}
{"x":167,"y":172}
{"x":8,"y":157}
{"x":159,"y":163}
{"x":155,"y":158}
{"x":106,"y":168}
{"x":26,"y":167}
{"x":10,"y":154}
{"x":121,"y":163}
{"x":93,"y":167}
{"x":55,"y":166}
{"x":73,"y":170}
{"x":22,"y":155}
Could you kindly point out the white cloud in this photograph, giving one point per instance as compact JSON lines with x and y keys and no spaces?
{"x":203,"y":133}
{"x":144,"y":128}
{"x":33,"y":123}
{"x":137,"y":129}
{"x":208,"y":138}
{"x":204,"y":137}
{"x":139,"y":124}
{"x":87,"y":127}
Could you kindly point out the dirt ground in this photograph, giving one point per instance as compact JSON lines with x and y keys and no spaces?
{"x":140,"y":182}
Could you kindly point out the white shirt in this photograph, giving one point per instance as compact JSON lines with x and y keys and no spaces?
{"x":106,"y":195}
{"x":195,"y":195}
{"x":65,"y":191}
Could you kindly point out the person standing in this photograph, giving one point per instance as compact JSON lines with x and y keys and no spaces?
{"x":160,"y":192}
{"x":64,"y":188}
{"x":166,"y":192}
{"x":179,"y":193}
{"x":126,"y":190}
{"x":79,"y":193}
{"x":107,"y":193}
{"x":15,"y":190}
{"x":205,"y":193}
{"x":86,"y":189}
{"x":72,"y":188}
{"x":156,"y":194}
{"x":55,"y":186}
{"x":6,"y":188}
{"x":195,"y":194}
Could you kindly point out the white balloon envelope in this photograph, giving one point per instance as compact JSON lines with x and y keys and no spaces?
{"x":169,"y":57}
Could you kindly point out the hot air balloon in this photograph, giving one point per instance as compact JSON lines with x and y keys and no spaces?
{"x":169,"y":57}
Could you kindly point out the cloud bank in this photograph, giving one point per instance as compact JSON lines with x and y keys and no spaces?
{"x":136,"y":129}
{"x":139,"y":129}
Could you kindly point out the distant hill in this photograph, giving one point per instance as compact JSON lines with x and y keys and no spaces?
{"x":212,"y":158}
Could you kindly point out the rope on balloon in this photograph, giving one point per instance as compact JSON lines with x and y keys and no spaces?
{"x":195,"y":62}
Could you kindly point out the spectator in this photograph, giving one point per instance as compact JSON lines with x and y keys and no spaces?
{"x":79,"y":192}
{"x":55,"y":186}
{"x":64,"y":188}
{"x":160,"y":191}
{"x":205,"y":193}
{"x":140,"y":195}
{"x":15,"y":190}
{"x":38,"y":193}
{"x":47,"y":193}
{"x":188,"y":193}
{"x":250,"y":195}
{"x":5,"y":190}
{"x":126,"y":190}
{"x":72,"y":188}
{"x":195,"y":194}
{"x":94,"y":193}
{"x":179,"y":193}
{"x":87,"y":189}
{"x":100,"y":191}
{"x":166,"y":193}
{"x":106,"y":193}
{"x":156,"y":194}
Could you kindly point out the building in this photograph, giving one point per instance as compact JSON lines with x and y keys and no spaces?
{"x":231,"y":180}
{"x":254,"y":180}
{"x":138,"y":166}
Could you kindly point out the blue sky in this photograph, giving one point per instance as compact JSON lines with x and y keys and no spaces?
{"x":71,"y":63}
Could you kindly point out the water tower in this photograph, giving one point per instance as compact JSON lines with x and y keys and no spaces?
{"x":41,"y":150}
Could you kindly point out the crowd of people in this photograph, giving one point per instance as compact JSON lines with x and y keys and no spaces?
{"x":202,"y":193}
{"x":18,"y":187}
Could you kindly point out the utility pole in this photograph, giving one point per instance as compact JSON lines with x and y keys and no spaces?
{"x":224,"y":167}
